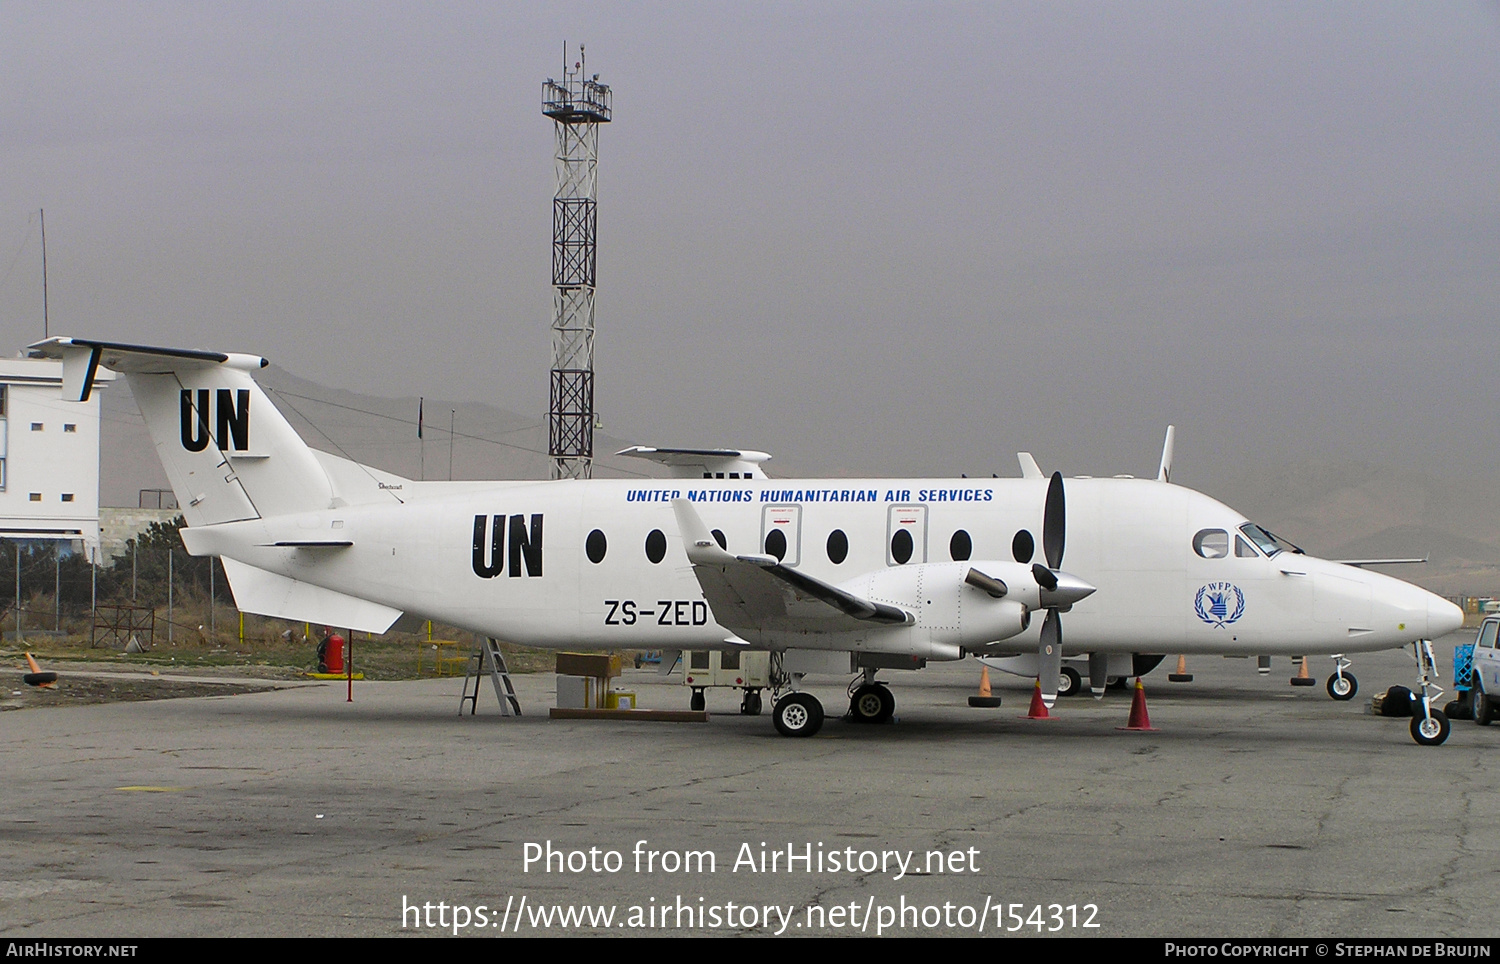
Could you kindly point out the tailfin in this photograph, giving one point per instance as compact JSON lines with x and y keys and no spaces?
{"x":229,"y":454}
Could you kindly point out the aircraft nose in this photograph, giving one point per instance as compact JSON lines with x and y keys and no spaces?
{"x":1442,"y":617}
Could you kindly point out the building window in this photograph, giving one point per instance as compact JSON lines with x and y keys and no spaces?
{"x":36,"y":497}
{"x":67,"y":497}
{"x":69,"y":427}
{"x":2,"y":475}
{"x":36,"y":426}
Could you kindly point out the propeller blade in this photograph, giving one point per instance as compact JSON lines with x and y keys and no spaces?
{"x":1098,"y":674}
{"x":1054,"y":523}
{"x":1049,"y":657}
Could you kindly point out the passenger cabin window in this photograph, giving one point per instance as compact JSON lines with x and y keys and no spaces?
{"x":36,"y":426}
{"x":1211,"y":543}
{"x":70,"y":427}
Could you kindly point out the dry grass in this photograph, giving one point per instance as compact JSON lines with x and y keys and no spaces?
{"x":196,"y":639}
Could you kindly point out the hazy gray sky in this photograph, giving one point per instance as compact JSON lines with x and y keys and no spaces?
{"x":869,"y":238}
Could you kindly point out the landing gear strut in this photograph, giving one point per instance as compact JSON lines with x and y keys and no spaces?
{"x":1429,"y":727}
{"x":1342,"y":685}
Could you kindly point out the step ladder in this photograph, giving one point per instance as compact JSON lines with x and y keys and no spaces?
{"x":487,"y":657}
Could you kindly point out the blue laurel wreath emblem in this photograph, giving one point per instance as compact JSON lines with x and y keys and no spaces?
{"x":1219,"y":603}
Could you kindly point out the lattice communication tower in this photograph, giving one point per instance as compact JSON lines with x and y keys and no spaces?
{"x":577,"y":104}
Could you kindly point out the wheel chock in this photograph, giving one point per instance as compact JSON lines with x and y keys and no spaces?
{"x":46,"y":680}
{"x":984,"y":699}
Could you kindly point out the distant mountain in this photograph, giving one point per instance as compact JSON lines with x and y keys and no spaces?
{"x":1338,"y":510}
{"x":487,"y":442}
{"x":1347,"y":510}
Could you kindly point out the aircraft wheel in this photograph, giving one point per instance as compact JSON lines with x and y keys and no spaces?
{"x":1343,"y":687}
{"x":750,"y":705}
{"x":797,"y":714}
{"x":1430,"y":730}
{"x":697,"y":702}
{"x":872,"y":703}
{"x":1484,"y":708}
{"x":1070,"y":683}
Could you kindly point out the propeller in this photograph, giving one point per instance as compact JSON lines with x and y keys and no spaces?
{"x":1058,"y":590}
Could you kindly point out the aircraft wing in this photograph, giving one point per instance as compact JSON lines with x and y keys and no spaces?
{"x":756,"y":594}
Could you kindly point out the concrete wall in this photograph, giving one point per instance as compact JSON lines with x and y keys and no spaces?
{"x":117,"y":526}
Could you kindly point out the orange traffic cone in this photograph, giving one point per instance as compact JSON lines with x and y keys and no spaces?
{"x":1182,"y":675}
{"x":984,"y":699}
{"x":1139,"y":720}
{"x":1303,"y":677}
{"x":1038,"y":710}
{"x":38,"y":678}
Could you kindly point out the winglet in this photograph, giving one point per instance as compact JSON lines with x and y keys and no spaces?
{"x":701,"y":548}
{"x":1029,"y":468}
{"x":1164,"y":474}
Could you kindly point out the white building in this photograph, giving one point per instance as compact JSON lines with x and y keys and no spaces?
{"x":49,"y":456}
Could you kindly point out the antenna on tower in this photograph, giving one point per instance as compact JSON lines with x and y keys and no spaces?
{"x":577,"y":106}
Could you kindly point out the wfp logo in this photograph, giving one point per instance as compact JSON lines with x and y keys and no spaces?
{"x":1219,"y":603}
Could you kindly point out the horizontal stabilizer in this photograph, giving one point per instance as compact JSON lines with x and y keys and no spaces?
{"x":1361,"y":563}
{"x":228,"y":453}
{"x":267,"y":594}
{"x":707,"y":463}
{"x":314,"y":544}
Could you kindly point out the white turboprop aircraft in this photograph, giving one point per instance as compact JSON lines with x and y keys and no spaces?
{"x":847,"y":575}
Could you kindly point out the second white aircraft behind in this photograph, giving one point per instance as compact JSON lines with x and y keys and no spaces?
{"x":892,"y":573}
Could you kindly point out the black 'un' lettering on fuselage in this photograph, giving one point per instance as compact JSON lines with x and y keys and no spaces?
{"x":490,"y":546}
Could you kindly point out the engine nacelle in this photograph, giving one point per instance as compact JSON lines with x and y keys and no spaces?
{"x":950,"y":609}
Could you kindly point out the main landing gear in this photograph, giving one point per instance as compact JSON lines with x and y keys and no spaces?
{"x":800,"y":714}
{"x":797,"y":714}
{"x":793,"y":713}
{"x":1342,"y":685}
{"x":870,"y":701}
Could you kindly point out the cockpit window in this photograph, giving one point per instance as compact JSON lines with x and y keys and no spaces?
{"x":1243,"y":549}
{"x":1269,"y":543}
{"x":1211,"y":543}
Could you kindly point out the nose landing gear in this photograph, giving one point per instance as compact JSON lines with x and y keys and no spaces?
{"x":1342,"y":685}
{"x":1429,"y":727}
